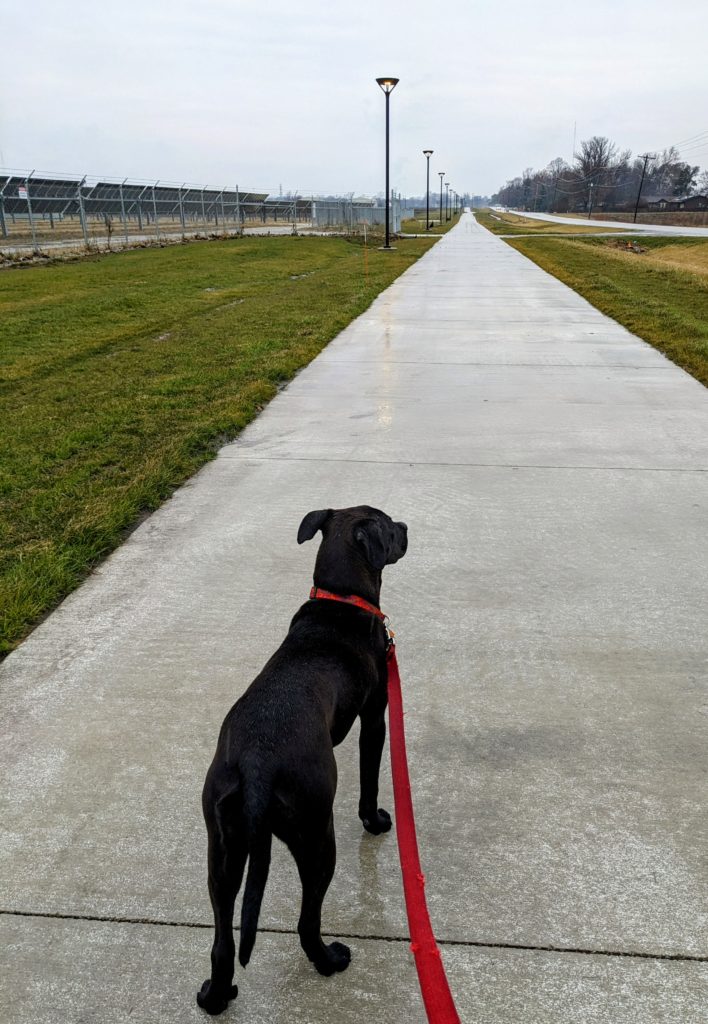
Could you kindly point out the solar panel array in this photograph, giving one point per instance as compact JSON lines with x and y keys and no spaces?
{"x":72,"y":196}
{"x":48,"y":211}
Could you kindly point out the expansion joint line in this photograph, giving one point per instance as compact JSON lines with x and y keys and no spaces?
{"x":372,"y":937}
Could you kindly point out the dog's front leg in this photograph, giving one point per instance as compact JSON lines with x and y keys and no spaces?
{"x":371,"y":742}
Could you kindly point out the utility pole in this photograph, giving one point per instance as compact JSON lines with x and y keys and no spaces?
{"x":646,"y":157}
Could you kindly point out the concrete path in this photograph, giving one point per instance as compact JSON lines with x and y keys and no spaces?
{"x":551,"y":624}
{"x":650,"y":229}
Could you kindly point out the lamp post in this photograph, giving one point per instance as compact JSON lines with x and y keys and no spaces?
{"x":447,"y":200}
{"x":427,"y":153}
{"x":442,"y":175}
{"x":388,"y":85}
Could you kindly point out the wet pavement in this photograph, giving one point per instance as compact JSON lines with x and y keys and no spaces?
{"x":550,"y":614}
{"x":624,"y":226}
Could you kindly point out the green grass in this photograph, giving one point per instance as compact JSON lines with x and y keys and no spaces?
{"x":120,"y":375}
{"x":416,"y":225}
{"x":516,"y":224}
{"x":664,"y":304}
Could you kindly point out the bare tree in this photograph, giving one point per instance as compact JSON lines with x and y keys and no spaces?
{"x":612,"y":173}
{"x":594,"y":159}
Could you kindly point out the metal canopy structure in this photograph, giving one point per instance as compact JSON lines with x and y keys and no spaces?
{"x":45,"y":211}
{"x":65,"y":196}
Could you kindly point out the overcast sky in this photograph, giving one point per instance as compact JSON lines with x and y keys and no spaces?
{"x":274,"y":93}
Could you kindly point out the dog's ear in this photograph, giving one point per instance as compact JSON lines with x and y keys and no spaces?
{"x":369,"y":536}
{"x":312,"y":522}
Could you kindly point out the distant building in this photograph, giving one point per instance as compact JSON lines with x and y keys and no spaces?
{"x":672,"y":203}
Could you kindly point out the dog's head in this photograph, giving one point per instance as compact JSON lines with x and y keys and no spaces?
{"x":356,"y":544}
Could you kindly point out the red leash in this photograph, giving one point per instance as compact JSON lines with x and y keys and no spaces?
{"x":434,"y":987}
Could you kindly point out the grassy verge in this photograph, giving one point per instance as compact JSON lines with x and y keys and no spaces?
{"x":416,"y":225}
{"x":660,"y":294}
{"x":120,"y":375}
{"x":516,"y":224}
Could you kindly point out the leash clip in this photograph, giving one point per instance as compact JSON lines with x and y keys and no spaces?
{"x":390,"y":635}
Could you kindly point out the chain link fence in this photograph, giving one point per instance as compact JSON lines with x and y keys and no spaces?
{"x":44,"y":212}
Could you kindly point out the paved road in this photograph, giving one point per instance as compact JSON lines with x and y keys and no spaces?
{"x":551,"y":624}
{"x":651,"y":229}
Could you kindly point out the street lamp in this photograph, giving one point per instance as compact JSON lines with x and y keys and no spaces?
{"x":388,"y":85}
{"x":447,"y":200}
{"x":442,"y":175}
{"x":427,"y":153}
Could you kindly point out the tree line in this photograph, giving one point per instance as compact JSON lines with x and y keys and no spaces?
{"x":603,"y":177}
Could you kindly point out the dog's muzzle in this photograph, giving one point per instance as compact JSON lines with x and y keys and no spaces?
{"x":402,"y":531}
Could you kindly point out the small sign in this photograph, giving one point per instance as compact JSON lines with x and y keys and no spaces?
{"x":22,"y":192}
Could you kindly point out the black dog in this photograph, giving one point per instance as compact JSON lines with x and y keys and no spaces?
{"x":274,"y":772}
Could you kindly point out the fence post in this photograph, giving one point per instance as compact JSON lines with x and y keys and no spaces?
{"x":29,"y":214}
{"x":82,"y":212}
{"x":3,"y":224}
{"x":139,"y":204}
{"x":154,"y":208}
{"x":238,"y":210}
{"x":181,"y":211}
{"x":122,"y":211}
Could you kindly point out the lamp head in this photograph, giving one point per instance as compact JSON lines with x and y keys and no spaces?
{"x":428,"y":153}
{"x":388,"y":84}
{"x":442,"y":174}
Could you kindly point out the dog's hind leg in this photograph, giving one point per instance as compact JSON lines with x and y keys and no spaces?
{"x":227,"y":859}
{"x":315,"y":856}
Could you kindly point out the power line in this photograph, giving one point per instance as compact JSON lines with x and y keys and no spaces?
{"x":695,"y":149}
{"x":691,"y":138}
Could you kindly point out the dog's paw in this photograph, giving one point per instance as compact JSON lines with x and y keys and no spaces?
{"x":214,"y":1001}
{"x":337,"y":958}
{"x":378,"y":824}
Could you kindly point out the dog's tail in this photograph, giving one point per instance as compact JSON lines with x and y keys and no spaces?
{"x":259,"y":843}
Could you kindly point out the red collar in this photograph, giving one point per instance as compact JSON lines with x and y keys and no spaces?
{"x":316,"y":593}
